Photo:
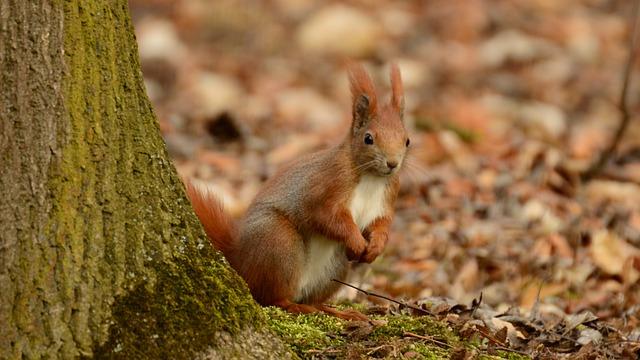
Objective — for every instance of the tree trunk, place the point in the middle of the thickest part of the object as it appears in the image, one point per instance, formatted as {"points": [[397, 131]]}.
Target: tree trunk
{"points": [[100, 252]]}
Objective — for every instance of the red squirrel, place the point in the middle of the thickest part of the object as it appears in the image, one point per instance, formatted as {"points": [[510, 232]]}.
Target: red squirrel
{"points": [[319, 212]]}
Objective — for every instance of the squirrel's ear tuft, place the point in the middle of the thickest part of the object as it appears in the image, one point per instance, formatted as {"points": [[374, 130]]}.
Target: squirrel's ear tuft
{"points": [[363, 95], [397, 93]]}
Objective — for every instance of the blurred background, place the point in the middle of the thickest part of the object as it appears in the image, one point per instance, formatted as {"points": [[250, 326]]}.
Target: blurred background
{"points": [[507, 102]]}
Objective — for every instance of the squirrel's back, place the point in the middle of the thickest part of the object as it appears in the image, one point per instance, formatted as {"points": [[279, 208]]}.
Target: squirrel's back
{"points": [[301, 183]]}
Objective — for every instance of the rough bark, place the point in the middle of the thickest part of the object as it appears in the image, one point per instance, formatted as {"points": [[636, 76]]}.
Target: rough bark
{"points": [[100, 252]]}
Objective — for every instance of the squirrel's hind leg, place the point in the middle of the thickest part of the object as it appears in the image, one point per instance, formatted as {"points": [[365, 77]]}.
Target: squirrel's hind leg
{"points": [[272, 258], [295, 308]]}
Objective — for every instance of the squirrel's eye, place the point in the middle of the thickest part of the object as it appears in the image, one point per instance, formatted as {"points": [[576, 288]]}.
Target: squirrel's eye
{"points": [[408, 142], [368, 139]]}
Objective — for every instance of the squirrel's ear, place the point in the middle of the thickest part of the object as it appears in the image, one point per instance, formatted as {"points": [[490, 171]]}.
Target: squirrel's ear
{"points": [[397, 93], [361, 113], [363, 95]]}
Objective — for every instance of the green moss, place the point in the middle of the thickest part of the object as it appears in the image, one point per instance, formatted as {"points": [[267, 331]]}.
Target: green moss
{"points": [[167, 320], [320, 336], [344, 305], [305, 332], [398, 325]]}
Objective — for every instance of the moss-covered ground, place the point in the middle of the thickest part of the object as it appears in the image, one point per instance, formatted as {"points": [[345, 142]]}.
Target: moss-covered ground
{"points": [[319, 336]]}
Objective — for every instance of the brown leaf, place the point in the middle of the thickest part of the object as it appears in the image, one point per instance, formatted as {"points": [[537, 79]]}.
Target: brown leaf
{"points": [[573, 321], [610, 252], [542, 249], [501, 335], [529, 295], [358, 330], [560, 246], [468, 275], [461, 353]]}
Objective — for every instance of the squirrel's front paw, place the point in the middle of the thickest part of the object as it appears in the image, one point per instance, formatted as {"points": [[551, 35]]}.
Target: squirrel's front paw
{"points": [[377, 242], [356, 248]]}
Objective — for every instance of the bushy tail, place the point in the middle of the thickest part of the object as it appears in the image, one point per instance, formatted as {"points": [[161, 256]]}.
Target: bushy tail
{"points": [[218, 225]]}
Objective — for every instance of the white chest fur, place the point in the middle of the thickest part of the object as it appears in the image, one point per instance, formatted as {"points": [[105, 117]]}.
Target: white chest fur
{"points": [[368, 200], [324, 257]]}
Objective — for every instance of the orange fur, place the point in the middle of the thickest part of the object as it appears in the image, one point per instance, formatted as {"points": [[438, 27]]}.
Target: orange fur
{"points": [[397, 94], [361, 84], [218, 225], [307, 206]]}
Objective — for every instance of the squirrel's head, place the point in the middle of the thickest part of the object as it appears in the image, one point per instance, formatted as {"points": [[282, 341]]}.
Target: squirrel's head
{"points": [[379, 140]]}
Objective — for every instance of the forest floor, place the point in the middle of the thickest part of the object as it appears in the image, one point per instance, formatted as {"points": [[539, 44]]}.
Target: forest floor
{"points": [[508, 102]]}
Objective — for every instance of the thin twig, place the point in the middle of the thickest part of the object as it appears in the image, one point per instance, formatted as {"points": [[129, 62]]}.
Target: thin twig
{"points": [[428, 338], [597, 167], [536, 305], [368, 293]]}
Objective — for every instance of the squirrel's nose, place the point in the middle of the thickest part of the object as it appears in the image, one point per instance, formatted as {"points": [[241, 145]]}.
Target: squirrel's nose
{"points": [[392, 164]]}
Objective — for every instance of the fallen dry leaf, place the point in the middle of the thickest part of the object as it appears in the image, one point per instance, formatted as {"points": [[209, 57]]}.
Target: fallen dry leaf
{"points": [[560, 245], [530, 293], [609, 252]]}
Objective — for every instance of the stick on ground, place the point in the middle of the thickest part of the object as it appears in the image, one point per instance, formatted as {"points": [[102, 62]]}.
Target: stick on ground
{"points": [[368, 293]]}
